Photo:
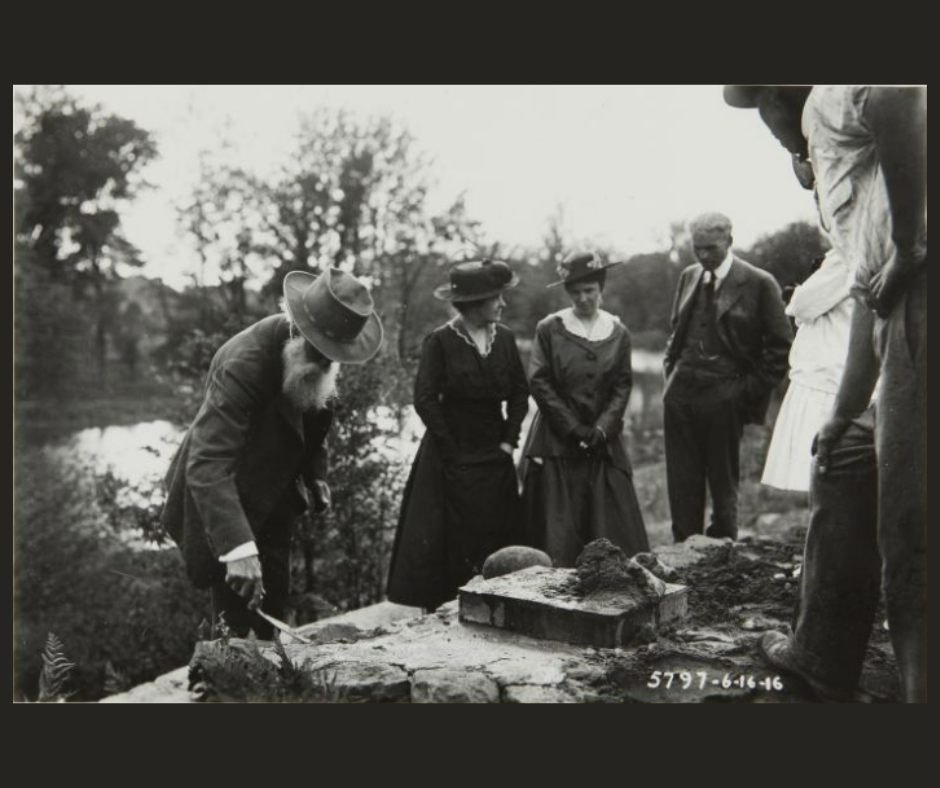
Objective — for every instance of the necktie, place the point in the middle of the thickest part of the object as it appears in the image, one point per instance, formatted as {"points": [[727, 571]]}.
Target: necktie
{"points": [[709, 343], [709, 289]]}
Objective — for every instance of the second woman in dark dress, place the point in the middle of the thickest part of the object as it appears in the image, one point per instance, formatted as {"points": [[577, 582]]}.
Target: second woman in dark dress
{"points": [[578, 480], [461, 501]]}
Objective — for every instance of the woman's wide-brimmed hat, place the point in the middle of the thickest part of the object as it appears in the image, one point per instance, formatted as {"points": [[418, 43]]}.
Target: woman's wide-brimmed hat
{"points": [[577, 266], [335, 313], [476, 280]]}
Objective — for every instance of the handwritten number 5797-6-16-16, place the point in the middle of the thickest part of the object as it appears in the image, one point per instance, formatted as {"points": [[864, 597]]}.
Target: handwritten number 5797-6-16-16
{"points": [[686, 679]]}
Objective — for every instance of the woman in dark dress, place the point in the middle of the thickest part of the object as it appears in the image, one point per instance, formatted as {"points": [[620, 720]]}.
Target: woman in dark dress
{"points": [[461, 501], [578, 481]]}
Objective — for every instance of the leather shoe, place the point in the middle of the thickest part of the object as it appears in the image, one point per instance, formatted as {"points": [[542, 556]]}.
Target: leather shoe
{"points": [[775, 649]]}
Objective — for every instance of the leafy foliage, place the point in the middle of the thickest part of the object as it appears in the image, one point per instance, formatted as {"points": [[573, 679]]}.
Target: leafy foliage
{"points": [[789, 252], [75, 576], [75, 168], [137, 513], [75, 165], [228, 670], [114, 680], [55, 671], [352, 195], [345, 553]]}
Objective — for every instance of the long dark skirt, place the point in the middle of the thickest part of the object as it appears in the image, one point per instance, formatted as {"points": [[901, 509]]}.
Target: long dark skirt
{"points": [[570, 501], [452, 517]]}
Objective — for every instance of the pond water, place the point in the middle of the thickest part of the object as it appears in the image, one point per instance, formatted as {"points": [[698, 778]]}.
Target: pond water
{"points": [[140, 453]]}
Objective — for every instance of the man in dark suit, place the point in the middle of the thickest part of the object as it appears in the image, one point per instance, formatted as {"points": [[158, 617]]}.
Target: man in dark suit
{"points": [[728, 349], [241, 474]]}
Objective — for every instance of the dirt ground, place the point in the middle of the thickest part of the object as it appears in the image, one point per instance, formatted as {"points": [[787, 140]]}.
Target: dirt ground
{"points": [[713, 655]]}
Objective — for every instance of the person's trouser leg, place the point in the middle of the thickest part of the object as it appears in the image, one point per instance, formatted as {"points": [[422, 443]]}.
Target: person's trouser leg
{"points": [[685, 467], [901, 430], [724, 425], [839, 586]]}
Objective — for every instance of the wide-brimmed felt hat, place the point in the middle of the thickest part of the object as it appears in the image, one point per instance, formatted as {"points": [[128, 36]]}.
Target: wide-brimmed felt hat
{"points": [[335, 313], [580, 265], [742, 96], [476, 280]]}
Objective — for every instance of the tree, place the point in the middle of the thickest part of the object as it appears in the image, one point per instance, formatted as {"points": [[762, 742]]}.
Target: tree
{"points": [[788, 253], [533, 299], [353, 195], [75, 167]]}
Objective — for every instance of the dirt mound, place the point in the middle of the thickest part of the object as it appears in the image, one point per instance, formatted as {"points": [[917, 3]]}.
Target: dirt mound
{"points": [[712, 656]]}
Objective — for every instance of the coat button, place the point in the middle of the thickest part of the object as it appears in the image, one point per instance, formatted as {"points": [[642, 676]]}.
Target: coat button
{"points": [[591, 356], [590, 375]]}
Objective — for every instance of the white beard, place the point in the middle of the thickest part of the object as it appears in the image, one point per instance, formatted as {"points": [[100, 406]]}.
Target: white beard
{"points": [[307, 385]]}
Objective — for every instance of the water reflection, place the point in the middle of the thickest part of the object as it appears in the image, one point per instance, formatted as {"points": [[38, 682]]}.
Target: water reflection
{"points": [[138, 454]]}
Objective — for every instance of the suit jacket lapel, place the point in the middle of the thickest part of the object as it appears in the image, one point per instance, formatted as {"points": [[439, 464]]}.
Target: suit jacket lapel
{"points": [[730, 289], [685, 305]]}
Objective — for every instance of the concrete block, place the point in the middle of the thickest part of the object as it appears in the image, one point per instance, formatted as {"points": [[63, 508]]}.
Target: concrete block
{"points": [[542, 602]]}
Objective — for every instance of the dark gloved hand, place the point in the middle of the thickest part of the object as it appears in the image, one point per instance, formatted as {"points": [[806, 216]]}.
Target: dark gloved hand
{"points": [[598, 439], [581, 434], [584, 437]]}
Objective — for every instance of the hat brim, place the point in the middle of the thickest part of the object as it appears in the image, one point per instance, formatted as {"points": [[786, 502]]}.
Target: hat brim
{"points": [[586, 275], [357, 351], [446, 293], [742, 96]]}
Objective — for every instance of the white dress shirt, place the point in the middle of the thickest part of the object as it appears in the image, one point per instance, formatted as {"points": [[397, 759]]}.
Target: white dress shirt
{"points": [[720, 272]]}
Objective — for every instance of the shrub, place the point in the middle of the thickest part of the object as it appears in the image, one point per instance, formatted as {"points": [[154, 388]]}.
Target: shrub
{"points": [[346, 552], [106, 601]]}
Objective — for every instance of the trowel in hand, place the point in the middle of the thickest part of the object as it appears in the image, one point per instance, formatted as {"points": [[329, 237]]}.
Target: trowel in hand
{"points": [[283, 627]]}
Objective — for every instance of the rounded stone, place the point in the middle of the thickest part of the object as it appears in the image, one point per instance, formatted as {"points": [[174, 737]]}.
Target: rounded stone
{"points": [[512, 559]]}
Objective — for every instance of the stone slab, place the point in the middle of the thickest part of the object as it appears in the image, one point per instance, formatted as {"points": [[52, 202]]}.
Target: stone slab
{"points": [[171, 687], [534, 693], [693, 550], [443, 685], [541, 602]]}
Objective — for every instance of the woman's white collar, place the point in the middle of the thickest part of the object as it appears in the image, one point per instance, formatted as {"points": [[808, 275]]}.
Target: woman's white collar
{"points": [[602, 328]]}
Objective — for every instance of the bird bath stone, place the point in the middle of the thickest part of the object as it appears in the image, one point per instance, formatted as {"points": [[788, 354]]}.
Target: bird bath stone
{"points": [[552, 603]]}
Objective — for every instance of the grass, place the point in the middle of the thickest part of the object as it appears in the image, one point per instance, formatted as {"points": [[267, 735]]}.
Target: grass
{"points": [[754, 498]]}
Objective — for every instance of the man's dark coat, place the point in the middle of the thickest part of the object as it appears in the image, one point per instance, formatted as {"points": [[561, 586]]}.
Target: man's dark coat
{"points": [[247, 448], [751, 325]]}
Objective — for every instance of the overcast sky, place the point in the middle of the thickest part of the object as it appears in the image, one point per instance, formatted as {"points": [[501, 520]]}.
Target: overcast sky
{"points": [[622, 161]]}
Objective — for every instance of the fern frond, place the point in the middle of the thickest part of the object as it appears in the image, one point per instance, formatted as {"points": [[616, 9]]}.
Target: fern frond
{"points": [[114, 680], [55, 671], [286, 669]]}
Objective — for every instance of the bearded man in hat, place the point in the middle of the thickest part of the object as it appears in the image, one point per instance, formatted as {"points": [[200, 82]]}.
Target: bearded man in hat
{"points": [[728, 349], [255, 454]]}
